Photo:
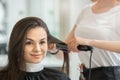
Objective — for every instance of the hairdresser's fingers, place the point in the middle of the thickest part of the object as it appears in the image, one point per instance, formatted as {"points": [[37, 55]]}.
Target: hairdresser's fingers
{"points": [[69, 39], [52, 47], [73, 45]]}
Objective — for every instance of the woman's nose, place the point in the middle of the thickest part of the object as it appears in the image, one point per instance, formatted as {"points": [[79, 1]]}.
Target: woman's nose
{"points": [[37, 48]]}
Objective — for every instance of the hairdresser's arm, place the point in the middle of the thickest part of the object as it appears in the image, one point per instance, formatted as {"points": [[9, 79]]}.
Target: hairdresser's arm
{"points": [[102, 44], [71, 41]]}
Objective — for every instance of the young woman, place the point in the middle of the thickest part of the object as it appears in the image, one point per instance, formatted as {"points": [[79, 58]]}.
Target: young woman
{"points": [[27, 48]]}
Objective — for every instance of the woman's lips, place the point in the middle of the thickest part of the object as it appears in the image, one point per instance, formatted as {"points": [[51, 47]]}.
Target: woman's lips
{"points": [[36, 55]]}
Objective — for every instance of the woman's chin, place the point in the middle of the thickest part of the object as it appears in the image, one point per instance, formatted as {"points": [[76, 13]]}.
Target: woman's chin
{"points": [[35, 61]]}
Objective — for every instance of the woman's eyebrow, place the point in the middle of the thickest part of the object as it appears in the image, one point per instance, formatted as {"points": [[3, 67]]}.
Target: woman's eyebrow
{"points": [[29, 39], [32, 40], [42, 39]]}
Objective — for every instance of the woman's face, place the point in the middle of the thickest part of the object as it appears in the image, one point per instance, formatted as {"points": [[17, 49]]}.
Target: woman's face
{"points": [[35, 45]]}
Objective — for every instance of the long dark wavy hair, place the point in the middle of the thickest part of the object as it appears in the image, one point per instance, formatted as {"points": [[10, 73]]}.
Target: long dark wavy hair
{"points": [[16, 47]]}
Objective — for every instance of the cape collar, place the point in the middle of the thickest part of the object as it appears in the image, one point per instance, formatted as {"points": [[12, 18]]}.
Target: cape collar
{"points": [[32, 67]]}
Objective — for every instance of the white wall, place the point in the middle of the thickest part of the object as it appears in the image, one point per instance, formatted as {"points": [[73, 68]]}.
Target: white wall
{"points": [[16, 9], [47, 10]]}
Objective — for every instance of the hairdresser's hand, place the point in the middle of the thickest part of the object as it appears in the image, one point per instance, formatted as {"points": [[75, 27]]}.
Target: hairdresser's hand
{"points": [[72, 44], [52, 48], [72, 40]]}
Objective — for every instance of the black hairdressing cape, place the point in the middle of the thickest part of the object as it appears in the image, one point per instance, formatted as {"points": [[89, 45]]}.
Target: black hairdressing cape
{"points": [[45, 74]]}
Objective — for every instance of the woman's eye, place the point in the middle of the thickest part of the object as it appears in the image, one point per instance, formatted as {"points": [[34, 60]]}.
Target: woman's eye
{"points": [[28, 43], [42, 42]]}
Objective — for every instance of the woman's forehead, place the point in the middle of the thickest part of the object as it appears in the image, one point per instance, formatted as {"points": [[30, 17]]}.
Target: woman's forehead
{"points": [[37, 32]]}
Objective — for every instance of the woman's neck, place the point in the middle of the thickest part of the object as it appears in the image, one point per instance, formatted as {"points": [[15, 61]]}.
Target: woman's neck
{"points": [[104, 5], [107, 3]]}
